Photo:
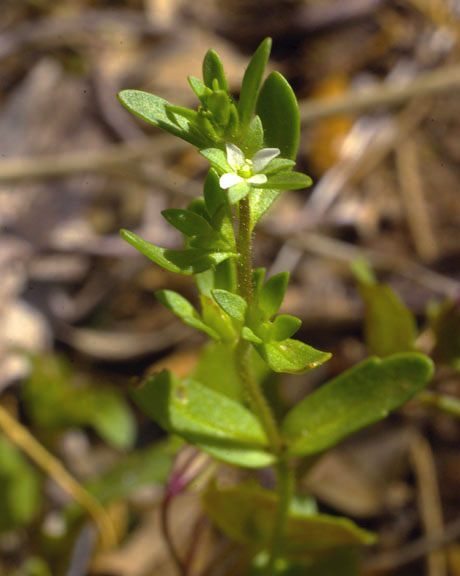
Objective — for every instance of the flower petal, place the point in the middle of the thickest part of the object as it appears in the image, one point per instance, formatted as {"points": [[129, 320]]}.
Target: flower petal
{"points": [[264, 157], [257, 179], [229, 179], [235, 156]]}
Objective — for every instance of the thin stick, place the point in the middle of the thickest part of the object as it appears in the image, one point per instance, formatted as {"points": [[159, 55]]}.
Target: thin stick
{"points": [[429, 500], [444, 79], [22, 438]]}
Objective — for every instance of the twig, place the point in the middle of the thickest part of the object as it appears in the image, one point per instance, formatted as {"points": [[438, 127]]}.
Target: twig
{"points": [[438, 81], [429, 500], [22, 438], [414, 201], [388, 561]]}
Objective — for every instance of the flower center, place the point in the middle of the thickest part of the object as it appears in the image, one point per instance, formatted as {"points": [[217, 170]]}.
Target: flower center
{"points": [[245, 171]]}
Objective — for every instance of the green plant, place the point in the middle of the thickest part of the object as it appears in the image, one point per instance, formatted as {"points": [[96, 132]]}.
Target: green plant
{"points": [[223, 408]]}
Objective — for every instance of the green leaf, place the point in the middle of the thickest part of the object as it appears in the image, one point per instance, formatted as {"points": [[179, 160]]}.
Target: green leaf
{"points": [[389, 326], [200, 89], [232, 304], [445, 327], [287, 181], [214, 196], [182, 308], [19, 488], [278, 165], [285, 326], [355, 399], [153, 109], [246, 513], [217, 159], [251, 83], [248, 334], [254, 139], [291, 356], [217, 319], [238, 192], [443, 402], [214, 70], [187, 262], [110, 416], [187, 222], [209, 420], [278, 109], [212, 357], [173, 111], [272, 294], [258, 277], [261, 201]]}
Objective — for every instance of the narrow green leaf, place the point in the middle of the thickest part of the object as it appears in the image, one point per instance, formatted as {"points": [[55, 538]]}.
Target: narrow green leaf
{"points": [[291, 356], [238, 192], [187, 262], [355, 399], [152, 109], [217, 159], [232, 304], [217, 319], [182, 308], [212, 357], [278, 109], [443, 402], [254, 139], [272, 294], [246, 513], [445, 327], [200, 89], [214, 196], [278, 165], [188, 222], [261, 201], [285, 326], [173, 111], [251, 83], [209, 420], [248, 334], [214, 70], [287, 181], [109, 414]]}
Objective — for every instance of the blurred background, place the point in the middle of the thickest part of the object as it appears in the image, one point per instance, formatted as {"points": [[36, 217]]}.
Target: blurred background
{"points": [[378, 83]]}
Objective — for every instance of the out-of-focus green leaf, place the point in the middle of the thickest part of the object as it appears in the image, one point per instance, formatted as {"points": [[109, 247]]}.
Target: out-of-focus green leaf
{"points": [[251, 83], [246, 513], [55, 398], [291, 356], [389, 326], [355, 399], [153, 109], [445, 327], [444, 402], [209, 420], [214, 70], [19, 488], [188, 262], [232, 304], [278, 109], [214, 196]]}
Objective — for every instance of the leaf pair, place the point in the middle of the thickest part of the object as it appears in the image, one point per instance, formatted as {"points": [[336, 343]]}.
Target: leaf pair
{"points": [[246, 513]]}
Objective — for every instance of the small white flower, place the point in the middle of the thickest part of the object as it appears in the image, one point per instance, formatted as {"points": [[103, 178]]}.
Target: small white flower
{"points": [[245, 170]]}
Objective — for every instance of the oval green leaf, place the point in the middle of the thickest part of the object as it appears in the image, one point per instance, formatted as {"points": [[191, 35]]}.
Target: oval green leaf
{"points": [[355, 399]]}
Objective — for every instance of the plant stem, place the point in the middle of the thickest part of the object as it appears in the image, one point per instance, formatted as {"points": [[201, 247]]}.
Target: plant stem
{"points": [[244, 246], [285, 489], [256, 399]]}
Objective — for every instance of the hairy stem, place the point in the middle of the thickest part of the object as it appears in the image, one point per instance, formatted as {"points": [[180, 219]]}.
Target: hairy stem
{"points": [[244, 245], [285, 489]]}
